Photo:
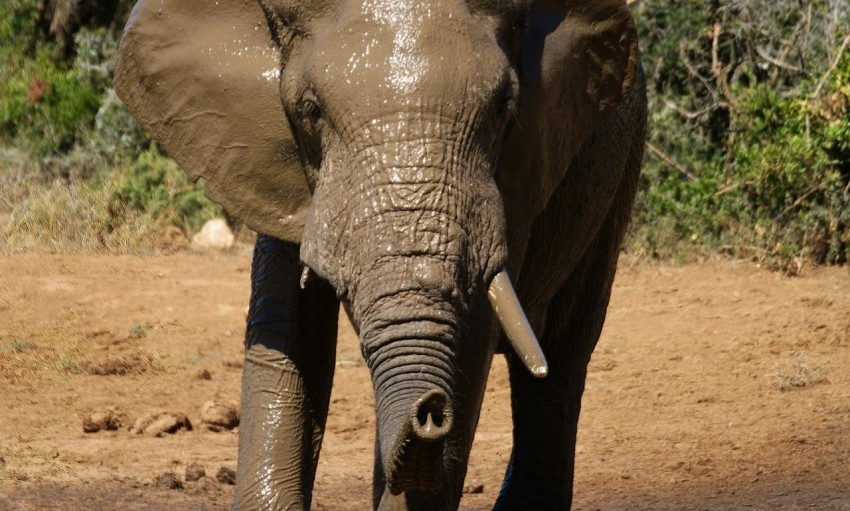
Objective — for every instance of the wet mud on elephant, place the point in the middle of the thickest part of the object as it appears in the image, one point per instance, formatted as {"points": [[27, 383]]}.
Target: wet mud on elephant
{"points": [[408, 159]]}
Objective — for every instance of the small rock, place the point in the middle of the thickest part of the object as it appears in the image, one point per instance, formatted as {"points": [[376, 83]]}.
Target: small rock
{"points": [[203, 374], [194, 472], [226, 475], [217, 416], [159, 423], [172, 238], [168, 481], [215, 234], [233, 363], [207, 483], [101, 421], [473, 486]]}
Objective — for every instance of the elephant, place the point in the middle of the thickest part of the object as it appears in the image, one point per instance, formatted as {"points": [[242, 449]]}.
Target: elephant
{"points": [[457, 174]]}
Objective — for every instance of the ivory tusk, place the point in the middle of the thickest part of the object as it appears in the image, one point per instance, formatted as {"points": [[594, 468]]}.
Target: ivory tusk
{"points": [[515, 324], [306, 275]]}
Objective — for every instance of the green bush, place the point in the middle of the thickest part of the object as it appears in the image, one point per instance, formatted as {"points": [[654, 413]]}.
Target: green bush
{"points": [[156, 188], [793, 163], [116, 132], [53, 109], [749, 131], [44, 106], [20, 34]]}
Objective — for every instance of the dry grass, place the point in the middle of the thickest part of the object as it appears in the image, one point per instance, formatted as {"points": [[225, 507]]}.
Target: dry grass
{"points": [[53, 217], [70, 216], [798, 373]]}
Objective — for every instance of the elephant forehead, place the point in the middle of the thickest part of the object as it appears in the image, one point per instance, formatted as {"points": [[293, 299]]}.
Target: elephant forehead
{"points": [[403, 50], [407, 61], [406, 160]]}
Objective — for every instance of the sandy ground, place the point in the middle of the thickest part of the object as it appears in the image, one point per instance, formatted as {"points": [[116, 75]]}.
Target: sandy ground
{"points": [[715, 386]]}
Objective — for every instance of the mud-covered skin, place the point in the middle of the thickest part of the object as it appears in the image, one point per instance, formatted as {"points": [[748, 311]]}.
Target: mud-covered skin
{"points": [[422, 146], [406, 222], [565, 288], [290, 351], [570, 310]]}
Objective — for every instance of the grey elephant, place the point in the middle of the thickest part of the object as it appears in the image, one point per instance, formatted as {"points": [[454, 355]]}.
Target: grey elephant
{"points": [[404, 158]]}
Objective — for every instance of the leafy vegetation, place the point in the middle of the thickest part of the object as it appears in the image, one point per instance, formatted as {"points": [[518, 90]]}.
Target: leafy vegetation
{"points": [[77, 171], [154, 186], [748, 152], [44, 104], [749, 146]]}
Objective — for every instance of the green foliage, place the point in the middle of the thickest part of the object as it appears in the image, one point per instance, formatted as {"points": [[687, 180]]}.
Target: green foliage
{"points": [[116, 132], [19, 34], [64, 114], [145, 205], [155, 186], [76, 171], [657, 21], [793, 165], [749, 131], [44, 106], [95, 59]]}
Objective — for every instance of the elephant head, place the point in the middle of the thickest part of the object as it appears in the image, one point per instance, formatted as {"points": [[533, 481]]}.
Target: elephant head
{"points": [[403, 144]]}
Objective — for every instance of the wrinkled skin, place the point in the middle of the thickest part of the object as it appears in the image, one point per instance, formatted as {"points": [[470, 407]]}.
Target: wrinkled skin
{"points": [[407, 225], [441, 140]]}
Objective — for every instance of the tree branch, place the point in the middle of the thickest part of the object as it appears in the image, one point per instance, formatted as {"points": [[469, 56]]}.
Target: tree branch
{"points": [[794, 205], [717, 68], [776, 62], [832, 67], [670, 161], [687, 114]]}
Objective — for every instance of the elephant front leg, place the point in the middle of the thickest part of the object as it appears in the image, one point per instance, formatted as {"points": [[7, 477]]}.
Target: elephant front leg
{"points": [[286, 382]]}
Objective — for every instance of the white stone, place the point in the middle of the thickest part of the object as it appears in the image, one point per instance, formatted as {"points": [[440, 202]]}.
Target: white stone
{"points": [[215, 234]]}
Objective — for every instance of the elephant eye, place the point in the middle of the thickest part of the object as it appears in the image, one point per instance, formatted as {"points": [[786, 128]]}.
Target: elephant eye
{"points": [[311, 111], [508, 103], [312, 116], [505, 111], [310, 132], [507, 99]]}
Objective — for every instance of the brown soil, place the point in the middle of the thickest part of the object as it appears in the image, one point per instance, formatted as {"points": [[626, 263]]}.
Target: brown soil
{"points": [[715, 386]]}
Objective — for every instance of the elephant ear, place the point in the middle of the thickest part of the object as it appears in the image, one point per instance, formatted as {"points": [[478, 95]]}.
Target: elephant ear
{"points": [[202, 76], [579, 63]]}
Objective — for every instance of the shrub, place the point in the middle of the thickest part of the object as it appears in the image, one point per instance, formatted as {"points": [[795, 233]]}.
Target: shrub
{"points": [[126, 208], [20, 34], [749, 131], [44, 106], [154, 187], [77, 171], [50, 108]]}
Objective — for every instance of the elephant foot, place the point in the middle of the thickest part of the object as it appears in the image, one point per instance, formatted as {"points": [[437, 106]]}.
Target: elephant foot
{"points": [[416, 501]]}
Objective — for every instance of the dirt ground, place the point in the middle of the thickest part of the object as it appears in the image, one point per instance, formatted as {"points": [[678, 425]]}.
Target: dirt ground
{"points": [[715, 386]]}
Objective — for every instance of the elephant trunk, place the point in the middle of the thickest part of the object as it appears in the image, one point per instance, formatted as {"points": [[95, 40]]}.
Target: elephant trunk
{"points": [[416, 456], [423, 236], [408, 335]]}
